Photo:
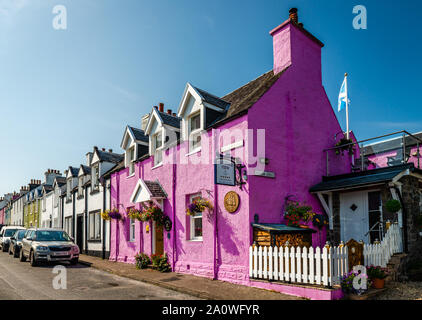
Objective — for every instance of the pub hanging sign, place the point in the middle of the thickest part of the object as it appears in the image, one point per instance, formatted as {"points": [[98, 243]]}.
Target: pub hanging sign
{"points": [[224, 171]]}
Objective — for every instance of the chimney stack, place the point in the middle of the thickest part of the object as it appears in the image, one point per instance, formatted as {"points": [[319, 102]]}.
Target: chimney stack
{"points": [[169, 111], [293, 15], [161, 108]]}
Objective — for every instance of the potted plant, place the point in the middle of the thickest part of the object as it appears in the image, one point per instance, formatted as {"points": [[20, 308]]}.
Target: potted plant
{"points": [[155, 258], [393, 205], [347, 286], [152, 212], [142, 261], [344, 145], [296, 215], [197, 206], [377, 275]]}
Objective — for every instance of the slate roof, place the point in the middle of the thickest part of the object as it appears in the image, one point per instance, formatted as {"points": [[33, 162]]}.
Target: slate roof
{"points": [[86, 169], [139, 134], [155, 189], [212, 99], [246, 96], [361, 179], [74, 171], [170, 120], [118, 167], [110, 156], [60, 181]]}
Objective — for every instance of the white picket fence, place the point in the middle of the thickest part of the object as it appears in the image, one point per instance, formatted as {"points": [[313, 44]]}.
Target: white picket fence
{"points": [[380, 254], [299, 265]]}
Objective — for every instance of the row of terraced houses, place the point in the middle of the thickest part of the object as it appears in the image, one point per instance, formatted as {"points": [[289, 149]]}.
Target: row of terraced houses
{"points": [[249, 153]]}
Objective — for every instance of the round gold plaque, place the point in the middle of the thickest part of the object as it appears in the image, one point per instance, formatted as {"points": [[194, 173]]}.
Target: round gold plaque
{"points": [[231, 201]]}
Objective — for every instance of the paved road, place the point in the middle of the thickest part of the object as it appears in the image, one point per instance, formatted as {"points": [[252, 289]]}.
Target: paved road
{"points": [[20, 281]]}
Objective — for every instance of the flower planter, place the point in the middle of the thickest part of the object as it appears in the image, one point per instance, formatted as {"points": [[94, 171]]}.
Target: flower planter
{"points": [[378, 283], [303, 226]]}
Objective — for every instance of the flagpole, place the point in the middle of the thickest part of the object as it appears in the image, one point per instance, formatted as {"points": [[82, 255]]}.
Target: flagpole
{"points": [[347, 110]]}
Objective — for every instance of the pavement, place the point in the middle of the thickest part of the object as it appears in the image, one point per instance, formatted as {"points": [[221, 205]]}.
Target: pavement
{"points": [[199, 287], [20, 281]]}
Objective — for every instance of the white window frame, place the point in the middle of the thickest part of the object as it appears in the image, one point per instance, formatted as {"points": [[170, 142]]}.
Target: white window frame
{"points": [[132, 230], [80, 188], [158, 151], [131, 160], [92, 236], [68, 224], [193, 218], [194, 133], [69, 191], [96, 177]]}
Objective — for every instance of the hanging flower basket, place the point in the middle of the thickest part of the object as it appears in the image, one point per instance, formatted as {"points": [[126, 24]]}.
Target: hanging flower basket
{"points": [[198, 206], [134, 214], [152, 213], [105, 215], [344, 145], [115, 214]]}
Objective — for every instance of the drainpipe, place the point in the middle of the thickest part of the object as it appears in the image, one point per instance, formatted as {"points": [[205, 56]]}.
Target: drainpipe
{"points": [[73, 215], [174, 218], [103, 221], [404, 219], [117, 205], [86, 219], [215, 257]]}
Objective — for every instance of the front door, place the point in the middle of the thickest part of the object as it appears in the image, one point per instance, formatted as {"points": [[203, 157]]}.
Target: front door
{"points": [[354, 216], [159, 241], [79, 232]]}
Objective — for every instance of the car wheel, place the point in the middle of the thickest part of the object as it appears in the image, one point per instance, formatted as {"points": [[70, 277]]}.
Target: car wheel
{"points": [[15, 253], [32, 259], [22, 257], [3, 248], [74, 261]]}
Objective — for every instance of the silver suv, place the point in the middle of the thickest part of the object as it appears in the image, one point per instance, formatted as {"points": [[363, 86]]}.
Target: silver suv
{"points": [[48, 245], [5, 234]]}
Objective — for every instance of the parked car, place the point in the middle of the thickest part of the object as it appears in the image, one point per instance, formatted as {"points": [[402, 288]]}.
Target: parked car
{"points": [[48, 245], [5, 234], [16, 242]]}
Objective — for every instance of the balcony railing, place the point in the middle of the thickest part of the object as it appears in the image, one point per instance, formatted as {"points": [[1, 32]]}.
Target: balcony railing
{"points": [[379, 152]]}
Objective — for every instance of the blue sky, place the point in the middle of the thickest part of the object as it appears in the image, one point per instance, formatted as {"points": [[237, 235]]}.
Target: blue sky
{"points": [[64, 91]]}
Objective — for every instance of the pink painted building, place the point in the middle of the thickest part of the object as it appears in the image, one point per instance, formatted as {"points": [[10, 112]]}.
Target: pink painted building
{"points": [[276, 127]]}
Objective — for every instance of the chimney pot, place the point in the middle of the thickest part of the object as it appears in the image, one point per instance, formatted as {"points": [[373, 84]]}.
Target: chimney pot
{"points": [[169, 111], [103, 149], [110, 150], [293, 15], [161, 107]]}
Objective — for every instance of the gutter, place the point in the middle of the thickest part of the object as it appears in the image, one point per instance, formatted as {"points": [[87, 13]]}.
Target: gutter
{"points": [[86, 219], [215, 257]]}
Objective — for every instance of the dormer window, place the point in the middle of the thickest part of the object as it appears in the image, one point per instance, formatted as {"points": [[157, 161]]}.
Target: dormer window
{"points": [[96, 178], [131, 160], [194, 132], [80, 189], [69, 191], [157, 140]]}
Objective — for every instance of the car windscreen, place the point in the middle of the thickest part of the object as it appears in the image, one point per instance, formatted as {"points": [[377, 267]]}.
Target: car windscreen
{"points": [[9, 232], [19, 235], [51, 235]]}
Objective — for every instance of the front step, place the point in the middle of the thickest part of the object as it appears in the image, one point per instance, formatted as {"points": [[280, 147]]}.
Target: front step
{"points": [[396, 268]]}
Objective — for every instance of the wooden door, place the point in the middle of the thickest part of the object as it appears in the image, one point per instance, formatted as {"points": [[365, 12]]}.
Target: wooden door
{"points": [[159, 239]]}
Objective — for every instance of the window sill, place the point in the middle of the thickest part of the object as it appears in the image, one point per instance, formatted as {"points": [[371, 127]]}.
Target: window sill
{"points": [[193, 152], [157, 166], [94, 240], [196, 240], [94, 192]]}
